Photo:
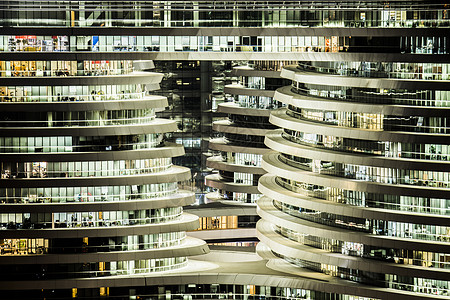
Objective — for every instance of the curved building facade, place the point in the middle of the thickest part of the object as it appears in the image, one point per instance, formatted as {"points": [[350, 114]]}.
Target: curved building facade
{"points": [[242, 145], [87, 187], [358, 183], [90, 200]]}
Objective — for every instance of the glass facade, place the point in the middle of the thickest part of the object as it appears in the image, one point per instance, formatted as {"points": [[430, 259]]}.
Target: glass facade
{"points": [[247, 106], [196, 291], [42, 192], [187, 85], [86, 165], [357, 188], [396, 14]]}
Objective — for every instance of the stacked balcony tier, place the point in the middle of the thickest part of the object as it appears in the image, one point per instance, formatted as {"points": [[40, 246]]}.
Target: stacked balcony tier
{"points": [[358, 184], [239, 151], [87, 186]]}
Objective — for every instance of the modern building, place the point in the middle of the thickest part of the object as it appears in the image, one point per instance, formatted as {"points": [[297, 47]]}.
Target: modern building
{"points": [[239, 149], [357, 188], [355, 204], [187, 85], [87, 189]]}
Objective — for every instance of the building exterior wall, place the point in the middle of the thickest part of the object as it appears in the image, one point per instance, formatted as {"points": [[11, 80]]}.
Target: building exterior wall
{"points": [[356, 190]]}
